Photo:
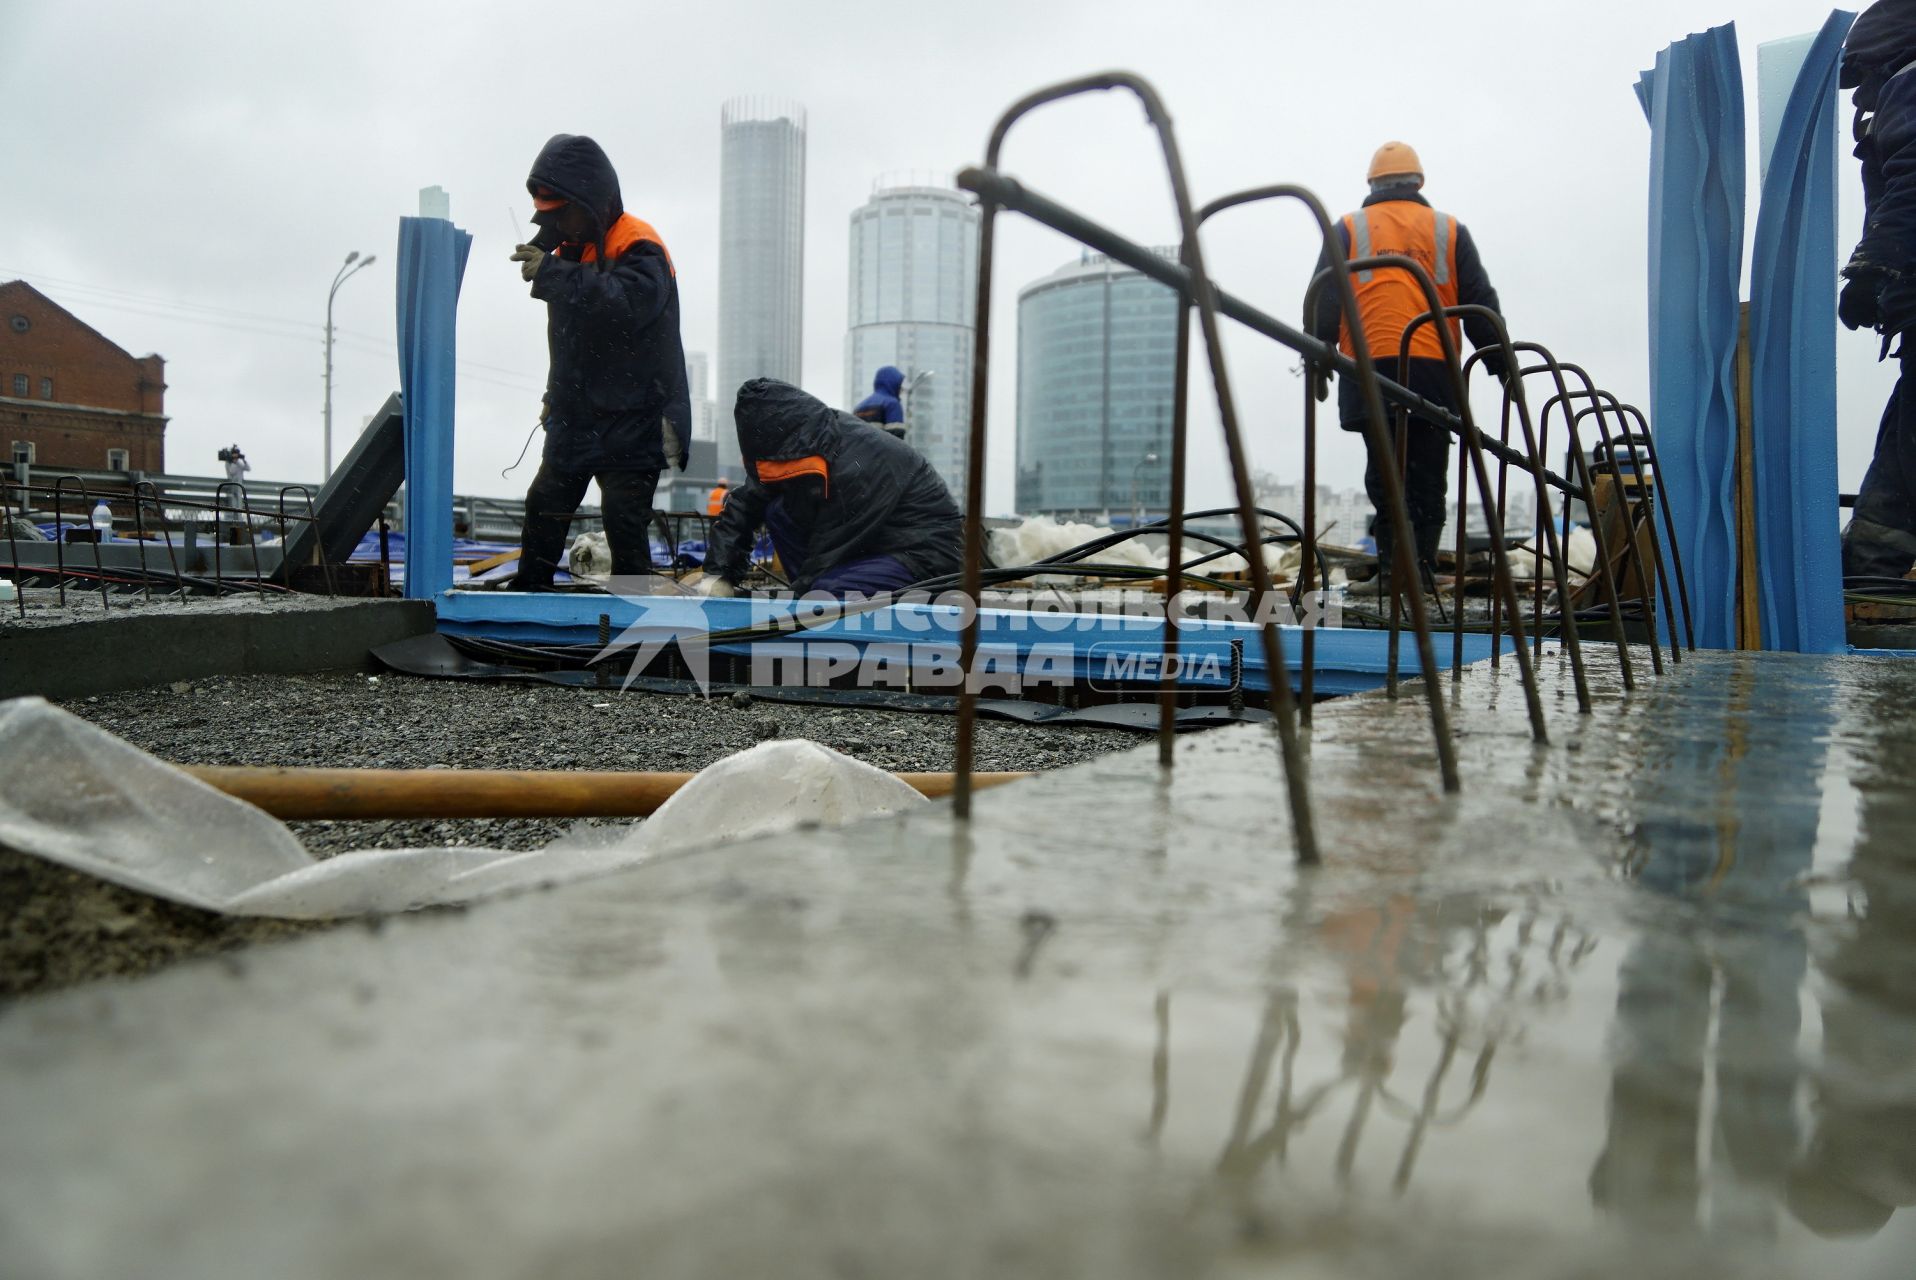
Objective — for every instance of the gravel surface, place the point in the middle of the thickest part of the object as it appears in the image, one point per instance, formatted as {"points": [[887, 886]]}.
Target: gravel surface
{"points": [[406, 722], [58, 927]]}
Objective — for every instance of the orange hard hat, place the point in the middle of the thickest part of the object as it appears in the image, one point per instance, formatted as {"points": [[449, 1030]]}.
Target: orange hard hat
{"points": [[1394, 159]]}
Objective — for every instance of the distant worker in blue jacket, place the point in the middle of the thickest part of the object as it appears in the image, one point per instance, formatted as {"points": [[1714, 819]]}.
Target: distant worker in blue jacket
{"points": [[883, 408], [1879, 63]]}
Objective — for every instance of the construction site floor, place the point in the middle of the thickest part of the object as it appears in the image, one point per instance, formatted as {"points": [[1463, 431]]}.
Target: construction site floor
{"points": [[1639, 1002]]}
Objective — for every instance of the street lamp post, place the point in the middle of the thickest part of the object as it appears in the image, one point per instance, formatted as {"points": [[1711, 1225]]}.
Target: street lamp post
{"points": [[905, 400], [347, 270], [1137, 506]]}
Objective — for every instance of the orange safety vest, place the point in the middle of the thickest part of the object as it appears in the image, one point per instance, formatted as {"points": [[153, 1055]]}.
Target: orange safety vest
{"points": [[1390, 298], [715, 504]]}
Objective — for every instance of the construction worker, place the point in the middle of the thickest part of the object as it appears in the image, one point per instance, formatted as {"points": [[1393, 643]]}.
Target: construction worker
{"points": [[1396, 219], [882, 408], [1880, 281], [850, 511], [617, 408], [715, 501]]}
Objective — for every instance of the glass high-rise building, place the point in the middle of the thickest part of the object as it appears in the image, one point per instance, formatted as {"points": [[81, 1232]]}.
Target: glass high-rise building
{"points": [[698, 377], [914, 272], [761, 252], [1097, 364]]}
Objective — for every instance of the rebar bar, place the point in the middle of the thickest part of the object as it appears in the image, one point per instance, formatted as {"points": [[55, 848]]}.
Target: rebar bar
{"points": [[1204, 298]]}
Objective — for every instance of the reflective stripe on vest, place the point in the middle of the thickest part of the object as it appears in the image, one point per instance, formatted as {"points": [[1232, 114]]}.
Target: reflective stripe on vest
{"points": [[1390, 299]]}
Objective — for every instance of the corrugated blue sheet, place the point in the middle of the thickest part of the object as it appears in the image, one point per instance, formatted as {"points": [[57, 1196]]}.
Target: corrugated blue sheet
{"points": [[1694, 100], [1793, 361], [432, 262]]}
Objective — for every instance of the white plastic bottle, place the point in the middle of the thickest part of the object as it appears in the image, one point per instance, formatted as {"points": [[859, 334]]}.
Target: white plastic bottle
{"points": [[103, 519]]}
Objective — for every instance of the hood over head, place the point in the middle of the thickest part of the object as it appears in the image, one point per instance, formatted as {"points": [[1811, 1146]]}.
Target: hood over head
{"points": [[576, 167], [1880, 42], [779, 423], [889, 380]]}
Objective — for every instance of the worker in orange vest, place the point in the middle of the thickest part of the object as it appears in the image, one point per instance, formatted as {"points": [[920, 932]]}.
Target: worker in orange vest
{"points": [[715, 504], [1396, 219]]}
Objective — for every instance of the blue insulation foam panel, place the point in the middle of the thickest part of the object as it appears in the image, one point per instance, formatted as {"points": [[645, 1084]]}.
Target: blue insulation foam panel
{"points": [[432, 262], [1793, 365], [1694, 100]]}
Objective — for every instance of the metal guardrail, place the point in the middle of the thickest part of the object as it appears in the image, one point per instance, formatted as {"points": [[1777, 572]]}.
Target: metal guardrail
{"points": [[484, 519]]}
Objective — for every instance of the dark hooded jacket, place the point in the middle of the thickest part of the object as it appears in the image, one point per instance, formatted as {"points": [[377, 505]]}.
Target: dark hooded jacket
{"points": [[854, 491], [617, 368], [1879, 63], [883, 406]]}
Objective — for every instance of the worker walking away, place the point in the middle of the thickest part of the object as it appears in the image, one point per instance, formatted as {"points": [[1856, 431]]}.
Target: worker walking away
{"points": [[883, 408], [1879, 291], [850, 511], [715, 501], [1396, 219], [617, 406]]}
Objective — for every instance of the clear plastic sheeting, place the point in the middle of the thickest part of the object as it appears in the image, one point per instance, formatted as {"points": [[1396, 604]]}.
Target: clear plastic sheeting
{"points": [[81, 797]]}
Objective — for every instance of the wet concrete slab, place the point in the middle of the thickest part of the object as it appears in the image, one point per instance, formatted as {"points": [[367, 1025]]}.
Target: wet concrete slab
{"points": [[1636, 1002]]}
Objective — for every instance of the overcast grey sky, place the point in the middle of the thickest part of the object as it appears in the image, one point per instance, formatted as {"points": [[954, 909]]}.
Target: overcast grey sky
{"points": [[188, 177]]}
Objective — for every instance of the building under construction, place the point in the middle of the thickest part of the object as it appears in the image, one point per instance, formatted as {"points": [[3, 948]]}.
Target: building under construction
{"points": [[1168, 899]]}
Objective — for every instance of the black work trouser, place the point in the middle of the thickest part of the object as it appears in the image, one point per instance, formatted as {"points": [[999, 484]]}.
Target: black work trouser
{"points": [[1881, 538], [553, 499], [1426, 493]]}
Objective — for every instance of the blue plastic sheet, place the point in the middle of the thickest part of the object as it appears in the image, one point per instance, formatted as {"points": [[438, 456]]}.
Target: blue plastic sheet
{"points": [[925, 638], [1793, 360], [432, 262], [1694, 100]]}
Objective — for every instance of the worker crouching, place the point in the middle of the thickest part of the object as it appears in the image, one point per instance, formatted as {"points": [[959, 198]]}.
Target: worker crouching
{"points": [[851, 511]]}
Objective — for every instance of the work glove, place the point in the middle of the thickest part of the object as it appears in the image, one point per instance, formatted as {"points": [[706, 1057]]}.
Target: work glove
{"points": [[1493, 361], [529, 260], [1856, 305], [1320, 376], [718, 588]]}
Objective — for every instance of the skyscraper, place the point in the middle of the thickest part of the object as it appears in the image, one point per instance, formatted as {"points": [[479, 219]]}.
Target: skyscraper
{"points": [[914, 266], [761, 251], [1097, 364], [698, 377]]}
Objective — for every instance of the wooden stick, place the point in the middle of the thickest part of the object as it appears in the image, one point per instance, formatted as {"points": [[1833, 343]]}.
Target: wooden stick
{"points": [[364, 794]]}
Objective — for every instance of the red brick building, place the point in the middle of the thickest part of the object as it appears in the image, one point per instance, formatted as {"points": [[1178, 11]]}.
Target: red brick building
{"points": [[71, 398]]}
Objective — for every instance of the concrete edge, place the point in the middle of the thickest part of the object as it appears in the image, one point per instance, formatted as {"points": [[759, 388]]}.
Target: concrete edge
{"points": [[102, 655]]}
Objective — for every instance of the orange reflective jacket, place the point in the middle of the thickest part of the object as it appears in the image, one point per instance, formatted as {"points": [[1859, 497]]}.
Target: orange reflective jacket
{"points": [[773, 470], [625, 233], [1390, 298], [715, 503]]}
